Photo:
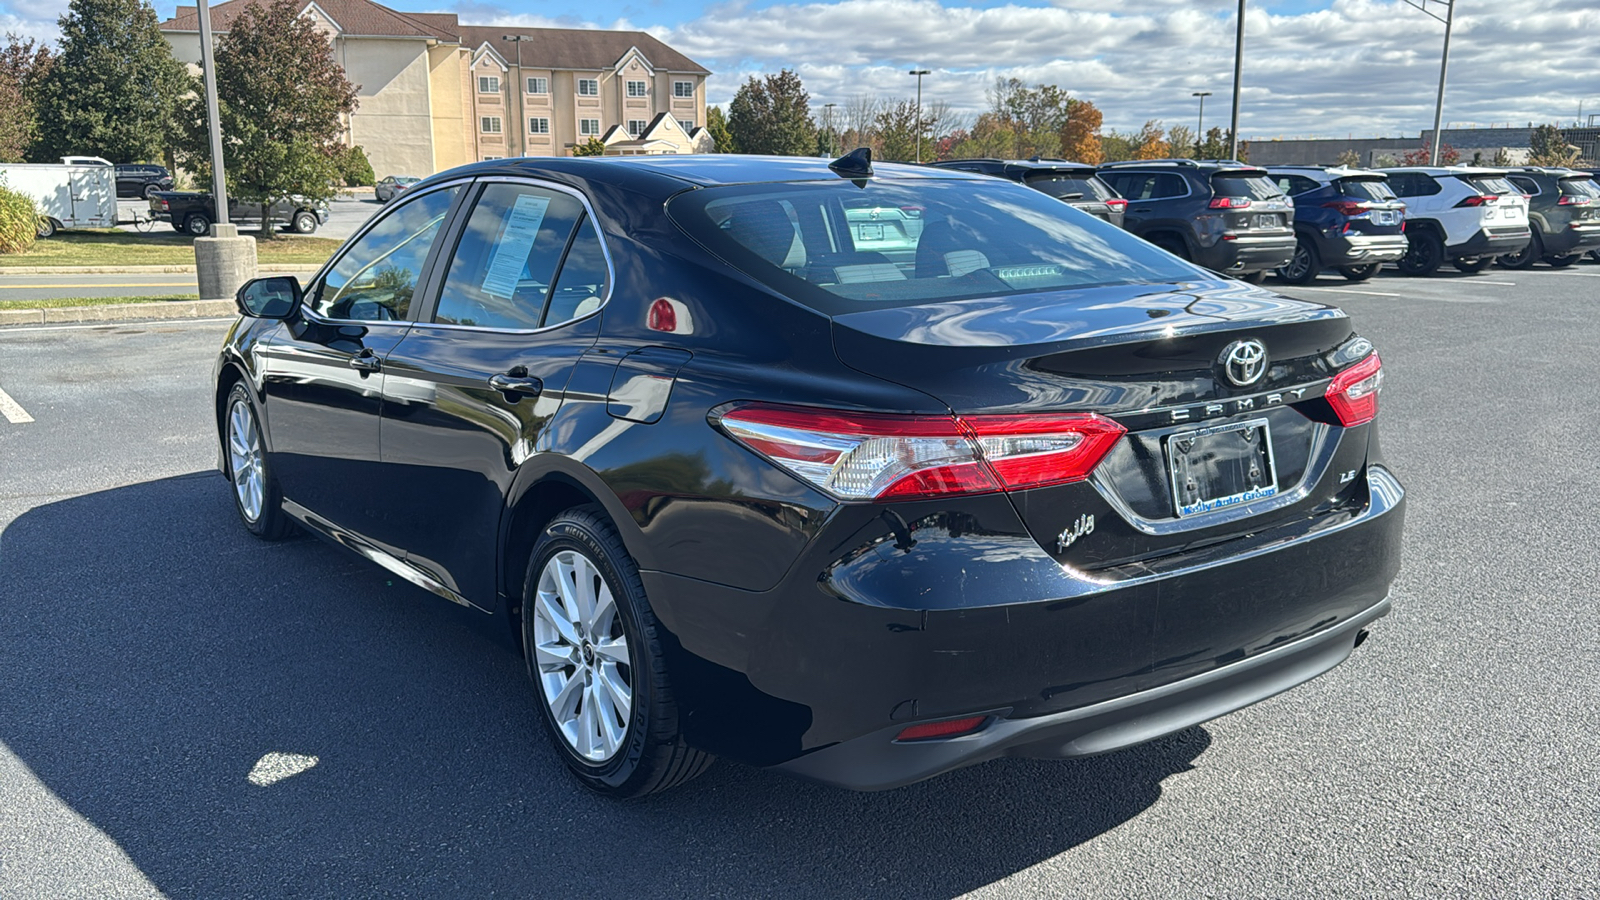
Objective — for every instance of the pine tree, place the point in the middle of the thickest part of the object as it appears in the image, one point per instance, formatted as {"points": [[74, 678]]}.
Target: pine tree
{"points": [[115, 87], [281, 101], [717, 125], [773, 115]]}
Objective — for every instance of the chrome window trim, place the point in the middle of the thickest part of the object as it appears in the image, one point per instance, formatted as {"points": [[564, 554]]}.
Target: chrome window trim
{"points": [[411, 196], [605, 250]]}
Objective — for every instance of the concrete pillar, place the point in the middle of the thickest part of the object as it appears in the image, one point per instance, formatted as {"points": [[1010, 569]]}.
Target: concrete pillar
{"points": [[223, 262]]}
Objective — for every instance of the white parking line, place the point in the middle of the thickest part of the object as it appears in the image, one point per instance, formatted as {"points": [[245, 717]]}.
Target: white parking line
{"points": [[1499, 283], [1579, 274], [13, 410], [1344, 290]]}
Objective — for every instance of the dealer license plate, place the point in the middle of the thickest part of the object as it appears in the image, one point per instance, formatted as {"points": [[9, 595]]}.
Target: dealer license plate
{"points": [[1221, 466], [1386, 217]]}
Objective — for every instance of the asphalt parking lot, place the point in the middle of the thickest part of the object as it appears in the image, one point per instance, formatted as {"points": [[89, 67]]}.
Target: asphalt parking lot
{"points": [[153, 657]]}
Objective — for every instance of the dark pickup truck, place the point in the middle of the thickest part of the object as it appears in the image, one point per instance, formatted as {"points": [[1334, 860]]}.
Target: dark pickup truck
{"points": [[194, 212]]}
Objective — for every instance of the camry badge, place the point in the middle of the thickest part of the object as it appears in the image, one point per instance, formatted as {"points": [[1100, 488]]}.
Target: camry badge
{"points": [[1244, 362]]}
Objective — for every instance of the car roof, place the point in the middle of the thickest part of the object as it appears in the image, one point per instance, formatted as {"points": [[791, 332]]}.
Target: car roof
{"points": [[1047, 164], [1448, 170], [1332, 171], [699, 170], [1208, 165]]}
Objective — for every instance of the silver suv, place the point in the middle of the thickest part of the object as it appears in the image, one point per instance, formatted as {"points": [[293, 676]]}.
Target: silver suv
{"points": [[1463, 215]]}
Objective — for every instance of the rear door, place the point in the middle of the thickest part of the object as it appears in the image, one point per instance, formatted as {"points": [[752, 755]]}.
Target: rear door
{"points": [[1257, 206], [472, 387], [1507, 209]]}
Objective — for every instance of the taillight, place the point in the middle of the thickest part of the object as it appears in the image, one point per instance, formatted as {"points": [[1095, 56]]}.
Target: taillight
{"points": [[1119, 204], [876, 456], [1229, 203], [1479, 200], [1350, 208], [1353, 393]]}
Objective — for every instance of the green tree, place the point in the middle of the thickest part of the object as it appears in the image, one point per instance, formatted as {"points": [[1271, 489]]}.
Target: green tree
{"points": [[773, 115], [1501, 159], [1215, 145], [282, 100], [717, 125], [355, 169], [1035, 116], [897, 127], [1349, 159], [115, 88], [1181, 140], [23, 66], [1548, 148], [592, 147]]}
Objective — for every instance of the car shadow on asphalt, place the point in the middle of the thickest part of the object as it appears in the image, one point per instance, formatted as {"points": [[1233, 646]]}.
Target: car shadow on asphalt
{"points": [[154, 654]]}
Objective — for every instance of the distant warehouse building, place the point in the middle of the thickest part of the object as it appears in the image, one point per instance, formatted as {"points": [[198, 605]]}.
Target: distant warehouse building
{"points": [[1480, 143], [435, 94]]}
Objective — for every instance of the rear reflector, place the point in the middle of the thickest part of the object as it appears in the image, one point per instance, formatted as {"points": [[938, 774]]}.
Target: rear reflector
{"points": [[877, 456], [1353, 393], [946, 729]]}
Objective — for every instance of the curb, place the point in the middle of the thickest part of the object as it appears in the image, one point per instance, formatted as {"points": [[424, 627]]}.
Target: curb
{"points": [[286, 269], [118, 312]]}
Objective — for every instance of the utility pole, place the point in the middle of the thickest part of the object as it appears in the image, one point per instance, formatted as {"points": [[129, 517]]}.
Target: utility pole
{"points": [[1444, 66], [223, 261], [219, 183], [517, 88], [1200, 126], [919, 73], [1238, 71]]}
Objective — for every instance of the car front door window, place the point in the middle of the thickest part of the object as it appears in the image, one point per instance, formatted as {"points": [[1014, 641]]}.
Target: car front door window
{"points": [[376, 277]]}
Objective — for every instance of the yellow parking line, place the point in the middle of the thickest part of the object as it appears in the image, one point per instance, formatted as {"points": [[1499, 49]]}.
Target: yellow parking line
{"points": [[34, 287]]}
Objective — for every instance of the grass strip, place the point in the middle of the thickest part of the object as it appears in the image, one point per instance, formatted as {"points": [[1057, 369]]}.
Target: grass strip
{"points": [[122, 248], [59, 302]]}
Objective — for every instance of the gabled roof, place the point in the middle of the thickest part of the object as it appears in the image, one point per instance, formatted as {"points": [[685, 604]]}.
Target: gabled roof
{"points": [[579, 48], [355, 17]]}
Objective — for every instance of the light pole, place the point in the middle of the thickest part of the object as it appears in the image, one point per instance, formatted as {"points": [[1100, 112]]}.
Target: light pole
{"points": [[1238, 71], [1200, 126], [219, 184], [833, 149], [919, 73], [522, 112], [1444, 66]]}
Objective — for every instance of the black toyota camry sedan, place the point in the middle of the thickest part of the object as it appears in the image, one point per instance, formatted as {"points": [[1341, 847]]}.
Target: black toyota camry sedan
{"points": [[863, 473]]}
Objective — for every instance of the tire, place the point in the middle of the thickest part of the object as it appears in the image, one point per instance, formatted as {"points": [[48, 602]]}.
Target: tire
{"points": [[197, 224], [255, 492], [1253, 277], [1561, 262], [1172, 244], [580, 550], [304, 223], [1303, 267], [46, 227], [1360, 273], [1424, 256], [1524, 258], [1474, 266], [150, 191]]}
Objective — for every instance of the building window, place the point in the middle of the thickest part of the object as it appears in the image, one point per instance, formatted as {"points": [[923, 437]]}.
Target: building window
{"points": [[487, 158], [538, 85], [638, 89], [489, 124], [488, 84], [684, 90], [588, 87], [589, 127], [540, 125], [686, 124], [636, 127]]}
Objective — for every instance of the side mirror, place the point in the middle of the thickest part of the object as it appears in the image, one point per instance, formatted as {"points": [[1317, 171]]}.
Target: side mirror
{"points": [[269, 298]]}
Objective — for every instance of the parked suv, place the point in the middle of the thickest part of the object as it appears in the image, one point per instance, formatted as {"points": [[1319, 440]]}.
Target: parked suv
{"points": [[194, 212], [1222, 214], [136, 180], [1563, 213], [1075, 183], [1346, 219], [1462, 215]]}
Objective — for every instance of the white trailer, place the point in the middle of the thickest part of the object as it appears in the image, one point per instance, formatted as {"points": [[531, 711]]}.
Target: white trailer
{"points": [[68, 196]]}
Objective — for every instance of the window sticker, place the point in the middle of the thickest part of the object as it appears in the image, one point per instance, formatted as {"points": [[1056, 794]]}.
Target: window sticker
{"points": [[515, 243]]}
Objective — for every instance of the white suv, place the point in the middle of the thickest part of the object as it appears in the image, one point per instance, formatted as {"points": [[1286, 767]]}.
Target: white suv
{"points": [[1463, 215]]}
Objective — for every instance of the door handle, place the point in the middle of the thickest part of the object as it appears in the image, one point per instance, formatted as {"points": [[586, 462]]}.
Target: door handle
{"points": [[517, 382], [365, 362]]}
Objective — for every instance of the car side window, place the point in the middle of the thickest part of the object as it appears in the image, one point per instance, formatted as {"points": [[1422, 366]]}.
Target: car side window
{"points": [[1297, 184], [1525, 184], [505, 263], [581, 286], [1133, 186], [1168, 185], [375, 278]]}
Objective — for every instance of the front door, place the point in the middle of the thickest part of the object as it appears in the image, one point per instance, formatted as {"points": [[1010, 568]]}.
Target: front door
{"points": [[324, 372], [470, 392]]}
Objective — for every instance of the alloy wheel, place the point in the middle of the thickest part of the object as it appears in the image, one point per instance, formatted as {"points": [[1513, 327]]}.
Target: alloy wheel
{"points": [[581, 656], [244, 459]]}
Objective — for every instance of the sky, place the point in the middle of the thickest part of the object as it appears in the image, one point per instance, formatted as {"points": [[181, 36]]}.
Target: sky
{"points": [[1313, 68]]}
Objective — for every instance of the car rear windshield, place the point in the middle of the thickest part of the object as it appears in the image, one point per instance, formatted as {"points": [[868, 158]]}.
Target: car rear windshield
{"points": [[1366, 189], [1580, 187], [1060, 184], [839, 248], [1490, 184], [1255, 187]]}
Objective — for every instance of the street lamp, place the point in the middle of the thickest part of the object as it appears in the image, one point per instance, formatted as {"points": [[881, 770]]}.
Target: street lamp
{"points": [[1200, 126], [1238, 71], [1444, 64], [833, 134], [919, 73], [519, 40]]}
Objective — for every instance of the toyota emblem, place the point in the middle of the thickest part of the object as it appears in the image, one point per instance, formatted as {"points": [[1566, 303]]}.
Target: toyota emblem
{"points": [[1244, 362]]}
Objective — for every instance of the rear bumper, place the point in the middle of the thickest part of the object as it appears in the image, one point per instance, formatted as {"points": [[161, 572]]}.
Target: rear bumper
{"points": [[1573, 239], [1492, 241], [879, 762], [1360, 249], [1249, 253]]}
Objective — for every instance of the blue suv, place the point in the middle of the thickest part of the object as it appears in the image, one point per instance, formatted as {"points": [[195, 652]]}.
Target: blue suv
{"points": [[1345, 219]]}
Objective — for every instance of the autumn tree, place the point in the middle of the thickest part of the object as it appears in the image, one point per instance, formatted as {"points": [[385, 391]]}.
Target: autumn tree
{"points": [[23, 66], [114, 89], [1423, 156], [1349, 159], [1080, 136], [717, 126], [773, 115], [282, 101], [1548, 148], [1150, 142]]}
